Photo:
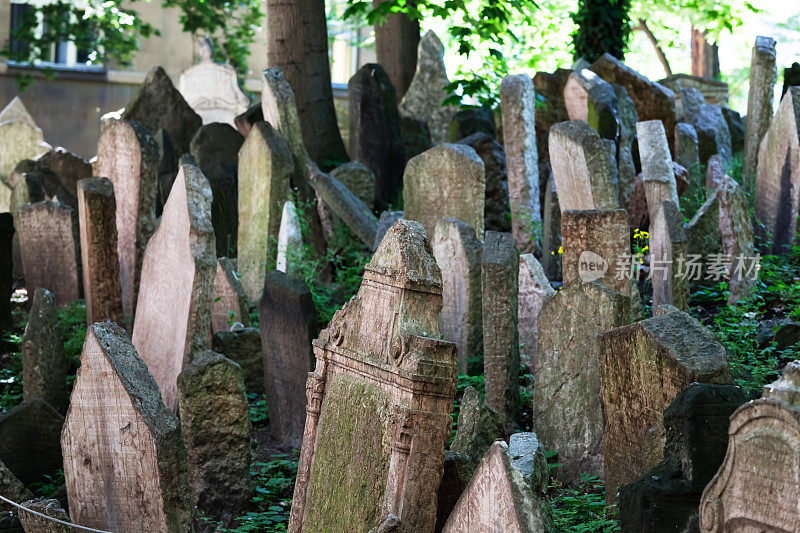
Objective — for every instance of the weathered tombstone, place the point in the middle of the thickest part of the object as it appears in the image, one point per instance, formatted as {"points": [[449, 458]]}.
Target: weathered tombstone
{"points": [[124, 460], [230, 300], [288, 324], [343, 203], [736, 231], [215, 424], [643, 367], [38, 524], [496, 214], [498, 498], [590, 98], [478, 427], [29, 440], [445, 181], [458, 253], [423, 100], [551, 233], [658, 172], [44, 367], [212, 89], [470, 121], [713, 134], [243, 347], [375, 131], [6, 268], [455, 478], [99, 256], [499, 296], [580, 168], [778, 175], [668, 245], [265, 170], [627, 135], [550, 92], [19, 140], [736, 127], [756, 486], [374, 439], [534, 291], [386, 221], [791, 78], [158, 104], [518, 99], [15, 111], [763, 75], [666, 498], [48, 250], [358, 179], [169, 332], [566, 405], [686, 153], [702, 231], [128, 155], [57, 172], [290, 240]]}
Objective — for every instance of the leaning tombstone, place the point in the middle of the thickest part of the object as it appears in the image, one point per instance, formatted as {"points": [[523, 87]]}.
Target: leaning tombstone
{"points": [[179, 259], [534, 291], [367, 389], [590, 98], [668, 245], [243, 346], [29, 436], [343, 203], [763, 75], [658, 172], [230, 300], [118, 423], [44, 366], [290, 240]]}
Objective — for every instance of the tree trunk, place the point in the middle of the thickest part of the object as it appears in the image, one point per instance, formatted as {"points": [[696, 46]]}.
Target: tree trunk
{"points": [[396, 41], [297, 42], [705, 56]]}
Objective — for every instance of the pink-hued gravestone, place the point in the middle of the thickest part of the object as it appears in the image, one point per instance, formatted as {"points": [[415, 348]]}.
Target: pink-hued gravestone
{"points": [[230, 300]]}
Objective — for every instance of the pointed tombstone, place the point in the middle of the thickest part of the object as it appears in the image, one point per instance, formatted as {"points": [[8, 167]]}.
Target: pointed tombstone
{"points": [[423, 100], [627, 135], [518, 99], [778, 176], [158, 104], [215, 424], [48, 250], [445, 181], [265, 170], [668, 245], [756, 485], [534, 292], [643, 367], [551, 233], [367, 391], [290, 240], [230, 299], [98, 229], [128, 155], [686, 152], [6, 268], [15, 111], [763, 75], [658, 173], [580, 168], [498, 498], [499, 294], [44, 367], [590, 98], [375, 131], [20, 139], [458, 253], [344, 204], [29, 436], [179, 260], [736, 230], [118, 425], [243, 346], [566, 395], [288, 324], [478, 427], [496, 214]]}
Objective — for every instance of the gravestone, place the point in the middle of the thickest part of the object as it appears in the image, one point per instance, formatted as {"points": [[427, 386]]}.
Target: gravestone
{"points": [[158, 104], [628, 118], [215, 424], [778, 175], [580, 168], [265, 170], [53, 173], [470, 121], [455, 478], [658, 173], [736, 231], [713, 134], [288, 325], [97, 217], [423, 100], [358, 179], [386, 221], [243, 346], [29, 440], [668, 245], [715, 173], [44, 366], [499, 297], [496, 214], [179, 260], [551, 233], [763, 75], [6, 268], [212, 89], [702, 231], [13, 489], [566, 405], [686, 152], [375, 137], [643, 368], [124, 460], [478, 427], [15, 111], [550, 92], [290, 240], [791, 78], [590, 98], [736, 126], [518, 99], [37, 524], [458, 253], [534, 291], [756, 486], [128, 155], [230, 300], [19, 140], [374, 439], [244, 121], [343, 203], [48, 250], [416, 136], [445, 181]]}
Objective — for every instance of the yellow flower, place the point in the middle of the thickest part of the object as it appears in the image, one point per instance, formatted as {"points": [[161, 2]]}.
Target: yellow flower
{"points": [[561, 249]]}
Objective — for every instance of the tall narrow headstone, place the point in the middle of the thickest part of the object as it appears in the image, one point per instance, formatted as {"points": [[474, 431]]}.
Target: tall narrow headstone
{"points": [[551, 233], [590, 98], [499, 297], [668, 249], [763, 75], [373, 445], [265, 170], [534, 292], [658, 173], [44, 366], [230, 300], [627, 135], [518, 99], [173, 314], [458, 253], [686, 152], [124, 460], [290, 239], [128, 155], [288, 324], [736, 230]]}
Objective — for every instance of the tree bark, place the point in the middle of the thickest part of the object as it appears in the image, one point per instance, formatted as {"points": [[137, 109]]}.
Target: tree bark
{"points": [[297, 42], [659, 52], [396, 41], [705, 56]]}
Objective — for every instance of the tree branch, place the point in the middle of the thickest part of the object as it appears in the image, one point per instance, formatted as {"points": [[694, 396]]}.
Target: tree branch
{"points": [[659, 52]]}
